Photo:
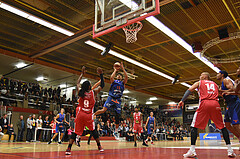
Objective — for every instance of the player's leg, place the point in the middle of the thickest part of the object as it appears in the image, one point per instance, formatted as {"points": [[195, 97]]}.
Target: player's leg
{"points": [[135, 134], [144, 138], [96, 137], [89, 139], [200, 120], [106, 106], [117, 118], [216, 117], [54, 136]]}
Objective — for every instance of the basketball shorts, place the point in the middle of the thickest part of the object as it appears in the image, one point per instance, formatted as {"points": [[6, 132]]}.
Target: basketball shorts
{"points": [[150, 130], [137, 128], [231, 115], [83, 119], [60, 128], [208, 109], [112, 103]]}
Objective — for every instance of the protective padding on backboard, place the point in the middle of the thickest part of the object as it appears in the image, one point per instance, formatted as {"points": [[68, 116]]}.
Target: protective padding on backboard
{"points": [[136, 11]]}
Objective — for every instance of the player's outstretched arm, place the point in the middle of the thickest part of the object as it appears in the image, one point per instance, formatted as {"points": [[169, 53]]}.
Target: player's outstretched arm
{"points": [[96, 85], [187, 93], [80, 78], [113, 75], [125, 74], [146, 124], [57, 118], [102, 84]]}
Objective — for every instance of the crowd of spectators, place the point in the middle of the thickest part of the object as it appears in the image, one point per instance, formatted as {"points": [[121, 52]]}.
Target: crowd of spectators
{"points": [[12, 90]]}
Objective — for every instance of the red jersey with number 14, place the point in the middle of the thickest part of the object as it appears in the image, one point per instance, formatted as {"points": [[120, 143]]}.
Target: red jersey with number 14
{"points": [[87, 102], [137, 118], [207, 90]]}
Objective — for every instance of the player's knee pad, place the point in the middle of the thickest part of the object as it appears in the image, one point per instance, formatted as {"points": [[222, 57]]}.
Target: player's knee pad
{"points": [[73, 136], [95, 134]]}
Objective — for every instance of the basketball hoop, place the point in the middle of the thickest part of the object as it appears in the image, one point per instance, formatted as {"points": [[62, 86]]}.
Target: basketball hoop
{"points": [[131, 31]]}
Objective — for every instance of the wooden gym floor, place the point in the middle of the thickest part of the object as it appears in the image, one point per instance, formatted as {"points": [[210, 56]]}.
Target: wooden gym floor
{"points": [[114, 150]]}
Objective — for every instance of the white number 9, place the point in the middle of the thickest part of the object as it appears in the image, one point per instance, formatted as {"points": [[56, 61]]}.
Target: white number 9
{"points": [[86, 103]]}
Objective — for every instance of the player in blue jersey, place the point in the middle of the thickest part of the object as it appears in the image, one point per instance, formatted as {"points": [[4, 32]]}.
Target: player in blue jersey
{"points": [[60, 119], [236, 89], [232, 114], [150, 127], [115, 94]]}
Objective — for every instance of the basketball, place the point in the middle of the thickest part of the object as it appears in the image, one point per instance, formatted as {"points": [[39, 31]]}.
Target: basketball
{"points": [[117, 65]]}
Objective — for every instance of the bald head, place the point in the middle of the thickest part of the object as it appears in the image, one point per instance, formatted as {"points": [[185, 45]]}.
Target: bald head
{"points": [[205, 76]]}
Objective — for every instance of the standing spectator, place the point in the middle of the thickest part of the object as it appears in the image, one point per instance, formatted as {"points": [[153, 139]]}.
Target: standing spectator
{"points": [[21, 128], [11, 132], [33, 126], [50, 92], [53, 125], [29, 128], [1, 134], [4, 123], [46, 125], [39, 127]]}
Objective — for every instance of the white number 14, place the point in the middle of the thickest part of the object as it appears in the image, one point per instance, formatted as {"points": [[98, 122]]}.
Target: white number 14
{"points": [[211, 87]]}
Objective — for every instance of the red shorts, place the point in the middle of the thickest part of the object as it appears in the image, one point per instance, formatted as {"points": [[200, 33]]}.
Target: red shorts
{"points": [[83, 119], [137, 128], [208, 109]]}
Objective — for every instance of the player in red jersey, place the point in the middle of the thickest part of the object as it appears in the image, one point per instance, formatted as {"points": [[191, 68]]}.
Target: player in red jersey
{"points": [[84, 111], [209, 108], [137, 127]]}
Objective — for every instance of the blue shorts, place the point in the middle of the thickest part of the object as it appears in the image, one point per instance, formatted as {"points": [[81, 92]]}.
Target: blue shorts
{"points": [[231, 115], [59, 128], [150, 130], [112, 103]]}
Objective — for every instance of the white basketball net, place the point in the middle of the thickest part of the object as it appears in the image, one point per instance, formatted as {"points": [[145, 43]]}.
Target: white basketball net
{"points": [[131, 31]]}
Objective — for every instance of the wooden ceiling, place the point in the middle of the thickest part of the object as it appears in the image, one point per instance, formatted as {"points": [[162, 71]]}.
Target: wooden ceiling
{"points": [[192, 20]]}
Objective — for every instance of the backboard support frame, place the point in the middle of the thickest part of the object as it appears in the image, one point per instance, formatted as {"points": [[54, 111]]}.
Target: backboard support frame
{"points": [[122, 21]]}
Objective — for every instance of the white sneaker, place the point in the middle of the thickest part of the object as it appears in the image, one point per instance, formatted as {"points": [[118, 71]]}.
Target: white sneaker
{"points": [[231, 154], [190, 154]]}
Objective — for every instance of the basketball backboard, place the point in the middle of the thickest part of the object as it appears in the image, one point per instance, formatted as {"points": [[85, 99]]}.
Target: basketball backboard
{"points": [[111, 15]]}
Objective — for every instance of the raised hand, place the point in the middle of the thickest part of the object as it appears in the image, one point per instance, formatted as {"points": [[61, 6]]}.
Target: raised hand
{"points": [[83, 70], [99, 70]]}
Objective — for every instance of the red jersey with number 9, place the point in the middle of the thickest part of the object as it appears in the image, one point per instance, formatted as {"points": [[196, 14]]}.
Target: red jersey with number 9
{"points": [[208, 90], [87, 102], [137, 118]]}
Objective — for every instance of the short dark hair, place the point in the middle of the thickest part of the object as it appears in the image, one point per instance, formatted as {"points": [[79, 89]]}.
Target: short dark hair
{"points": [[120, 74], [225, 74]]}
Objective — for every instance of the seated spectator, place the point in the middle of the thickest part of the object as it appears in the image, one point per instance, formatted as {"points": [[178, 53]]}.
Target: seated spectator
{"points": [[4, 123], [130, 135], [11, 132], [1, 134]]}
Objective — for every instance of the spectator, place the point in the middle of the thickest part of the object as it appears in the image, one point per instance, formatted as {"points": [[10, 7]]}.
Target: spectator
{"points": [[130, 134], [33, 126], [1, 134], [4, 123], [11, 132], [29, 129], [39, 127], [46, 125], [21, 128]]}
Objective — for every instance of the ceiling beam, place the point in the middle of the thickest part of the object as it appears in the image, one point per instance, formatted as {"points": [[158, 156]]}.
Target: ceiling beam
{"points": [[63, 42], [161, 84], [77, 72]]}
